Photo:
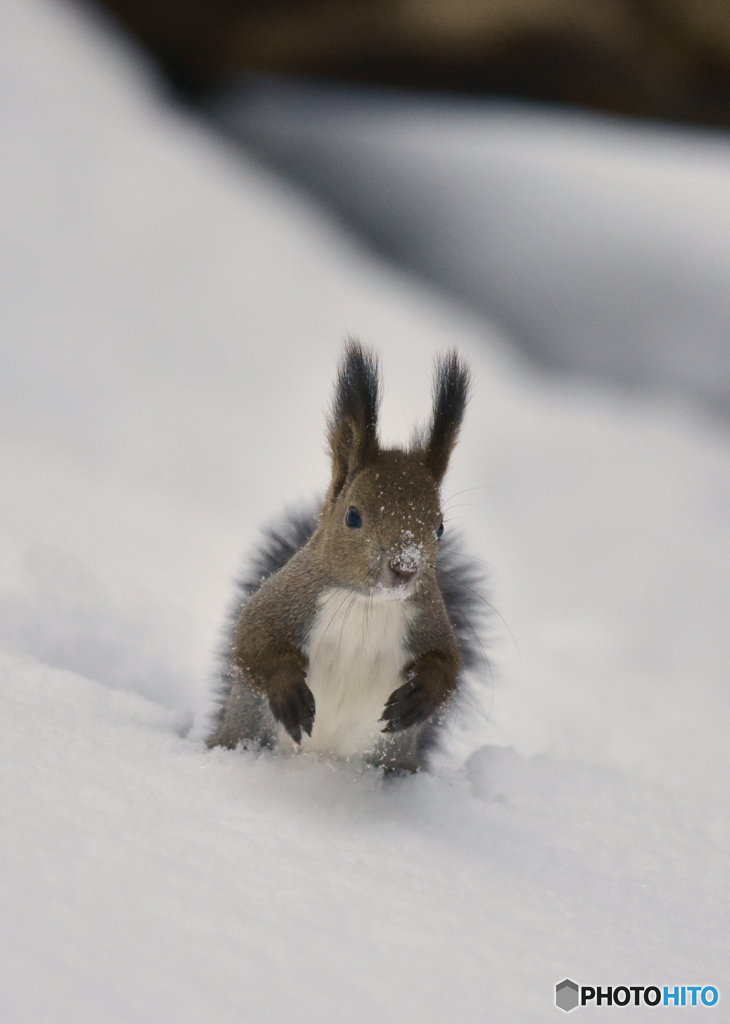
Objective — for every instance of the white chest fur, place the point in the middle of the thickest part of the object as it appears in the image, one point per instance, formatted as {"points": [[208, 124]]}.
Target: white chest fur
{"points": [[356, 651]]}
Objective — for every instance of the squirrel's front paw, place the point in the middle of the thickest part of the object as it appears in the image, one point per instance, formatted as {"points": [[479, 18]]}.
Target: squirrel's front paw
{"points": [[410, 704], [294, 708]]}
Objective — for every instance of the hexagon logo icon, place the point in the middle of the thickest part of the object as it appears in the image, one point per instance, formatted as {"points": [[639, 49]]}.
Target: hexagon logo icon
{"points": [[566, 995]]}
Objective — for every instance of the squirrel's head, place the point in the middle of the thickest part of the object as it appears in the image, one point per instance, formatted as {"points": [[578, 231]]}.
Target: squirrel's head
{"points": [[382, 518]]}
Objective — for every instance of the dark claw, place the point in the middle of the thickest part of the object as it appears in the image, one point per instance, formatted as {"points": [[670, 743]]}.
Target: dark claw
{"points": [[295, 710], [408, 705]]}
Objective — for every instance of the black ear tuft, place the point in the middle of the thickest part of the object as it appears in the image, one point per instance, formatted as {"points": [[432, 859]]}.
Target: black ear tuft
{"points": [[451, 383], [352, 427]]}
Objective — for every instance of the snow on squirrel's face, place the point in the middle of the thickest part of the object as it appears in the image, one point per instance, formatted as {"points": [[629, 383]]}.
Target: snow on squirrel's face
{"points": [[383, 530]]}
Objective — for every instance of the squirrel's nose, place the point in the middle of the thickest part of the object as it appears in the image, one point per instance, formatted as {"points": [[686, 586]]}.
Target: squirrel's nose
{"points": [[402, 572]]}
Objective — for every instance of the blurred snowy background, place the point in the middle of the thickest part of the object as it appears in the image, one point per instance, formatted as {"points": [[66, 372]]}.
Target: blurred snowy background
{"points": [[172, 311]]}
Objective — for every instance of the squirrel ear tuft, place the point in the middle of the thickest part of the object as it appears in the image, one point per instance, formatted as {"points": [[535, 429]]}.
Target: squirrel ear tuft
{"points": [[451, 384], [352, 427]]}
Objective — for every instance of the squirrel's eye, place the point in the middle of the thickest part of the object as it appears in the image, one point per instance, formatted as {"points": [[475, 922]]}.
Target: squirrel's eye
{"points": [[440, 532], [353, 518]]}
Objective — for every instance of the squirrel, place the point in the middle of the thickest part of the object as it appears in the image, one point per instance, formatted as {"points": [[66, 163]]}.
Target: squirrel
{"points": [[353, 628]]}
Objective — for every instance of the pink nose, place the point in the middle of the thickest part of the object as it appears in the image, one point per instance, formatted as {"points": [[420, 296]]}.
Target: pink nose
{"points": [[403, 573]]}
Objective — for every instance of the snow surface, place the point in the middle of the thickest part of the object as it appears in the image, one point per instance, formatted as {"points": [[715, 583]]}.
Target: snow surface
{"points": [[171, 321], [602, 244]]}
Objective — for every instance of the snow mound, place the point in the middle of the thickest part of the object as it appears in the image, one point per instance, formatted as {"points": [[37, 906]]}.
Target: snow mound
{"points": [[601, 244]]}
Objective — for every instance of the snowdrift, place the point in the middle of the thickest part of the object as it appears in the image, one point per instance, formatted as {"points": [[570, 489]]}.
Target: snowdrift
{"points": [[602, 245]]}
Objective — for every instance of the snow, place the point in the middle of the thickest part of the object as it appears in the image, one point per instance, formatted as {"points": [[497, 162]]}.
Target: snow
{"points": [[171, 320], [602, 245], [152, 880]]}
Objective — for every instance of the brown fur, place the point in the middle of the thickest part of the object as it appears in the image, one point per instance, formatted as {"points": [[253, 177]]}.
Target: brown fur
{"points": [[396, 494]]}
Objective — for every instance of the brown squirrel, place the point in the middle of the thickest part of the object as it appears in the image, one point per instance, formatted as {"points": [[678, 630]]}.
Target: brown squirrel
{"points": [[351, 637]]}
